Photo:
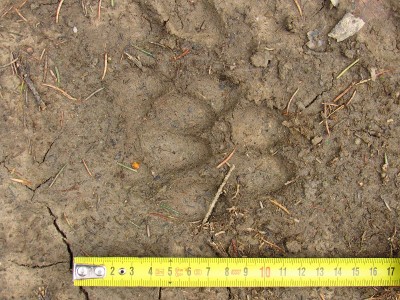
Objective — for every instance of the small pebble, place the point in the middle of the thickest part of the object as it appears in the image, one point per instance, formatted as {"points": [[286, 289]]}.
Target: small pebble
{"points": [[293, 246], [74, 29], [357, 141], [316, 140]]}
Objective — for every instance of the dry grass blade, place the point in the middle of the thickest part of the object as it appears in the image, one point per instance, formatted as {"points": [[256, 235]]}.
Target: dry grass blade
{"points": [[126, 167], [22, 4], [87, 168], [94, 93], [344, 92], [276, 203], [6, 11], [351, 98], [20, 15], [298, 7], [290, 101], [58, 10], [99, 10], [58, 174], [61, 91], [105, 66], [272, 245], [347, 68], [22, 181], [9, 64], [226, 159]]}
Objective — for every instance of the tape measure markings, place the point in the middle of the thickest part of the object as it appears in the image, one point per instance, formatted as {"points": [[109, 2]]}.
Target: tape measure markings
{"points": [[241, 272]]}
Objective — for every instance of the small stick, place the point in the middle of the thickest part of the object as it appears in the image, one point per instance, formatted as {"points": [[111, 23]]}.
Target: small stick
{"points": [[112, 3], [19, 14], [9, 64], [144, 51], [226, 159], [126, 167], [219, 192], [105, 66], [57, 76], [66, 220], [272, 245], [99, 10], [351, 98], [330, 104], [166, 218], [134, 60], [237, 191], [134, 224], [184, 53], [22, 4], [163, 46], [148, 230], [344, 92], [86, 167], [58, 174], [94, 93], [7, 11], [41, 55], [25, 77], [276, 203], [45, 68], [290, 101], [13, 66], [22, 181], [347, 68], [61, 91], [298, 7], [337, 109], [376, 75], [58, 10], [169, 209]]}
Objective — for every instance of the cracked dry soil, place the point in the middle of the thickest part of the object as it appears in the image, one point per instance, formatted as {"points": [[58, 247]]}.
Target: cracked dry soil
{"points": [[180, 118]]}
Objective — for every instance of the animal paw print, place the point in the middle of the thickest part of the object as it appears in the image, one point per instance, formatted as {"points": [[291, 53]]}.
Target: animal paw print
{"points": [[184, 135]]}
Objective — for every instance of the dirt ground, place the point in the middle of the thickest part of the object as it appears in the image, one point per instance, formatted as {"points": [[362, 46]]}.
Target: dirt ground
{"points": [[186, 83]]}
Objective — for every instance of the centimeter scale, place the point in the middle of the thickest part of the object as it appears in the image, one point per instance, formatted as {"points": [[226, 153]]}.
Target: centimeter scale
{"points": [[235, 272]]}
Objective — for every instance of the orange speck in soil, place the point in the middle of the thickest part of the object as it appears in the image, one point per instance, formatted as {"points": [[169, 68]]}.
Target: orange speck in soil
{"points": [[135, 165]]}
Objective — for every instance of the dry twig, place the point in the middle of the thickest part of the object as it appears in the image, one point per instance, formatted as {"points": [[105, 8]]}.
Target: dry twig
{"points": [[61, 91], [87, 168], [226, 159], [58, 174], [25, 77], [219, 192], [94, 93], [290, 101], [298, 7], [99, 10], [58, 10], [9, 64], [105, 66], [276, 203]]}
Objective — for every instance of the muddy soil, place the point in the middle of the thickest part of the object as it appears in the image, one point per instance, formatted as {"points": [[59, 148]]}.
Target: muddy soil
{"points": [[186, 82]]}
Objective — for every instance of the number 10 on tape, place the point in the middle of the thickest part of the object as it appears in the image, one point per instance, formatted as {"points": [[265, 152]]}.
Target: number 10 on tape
{"points": [[235, 272]]}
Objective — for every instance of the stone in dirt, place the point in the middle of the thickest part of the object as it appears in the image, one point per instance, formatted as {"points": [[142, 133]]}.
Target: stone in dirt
{"points": [[347, 27]]}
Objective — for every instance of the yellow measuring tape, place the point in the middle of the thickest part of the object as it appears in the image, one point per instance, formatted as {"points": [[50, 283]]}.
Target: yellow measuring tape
{"points": [[235, 272]]}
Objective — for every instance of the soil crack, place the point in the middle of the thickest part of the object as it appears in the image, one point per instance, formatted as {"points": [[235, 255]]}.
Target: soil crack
{"points": [[48, 150], [64, 236], [84, 292], [40, 266], [229, 293]]}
